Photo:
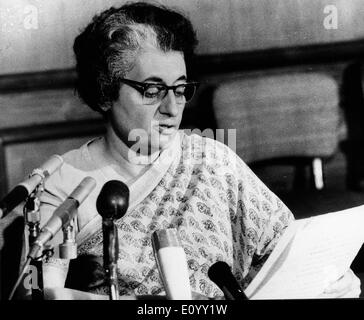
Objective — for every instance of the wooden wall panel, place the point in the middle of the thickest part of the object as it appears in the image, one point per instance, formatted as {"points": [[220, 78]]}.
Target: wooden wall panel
{"points": [[21, 159], [222, 26], [41, 107]]}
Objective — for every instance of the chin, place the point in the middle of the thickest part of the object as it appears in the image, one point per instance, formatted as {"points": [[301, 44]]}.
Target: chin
{"points": [[163, 142]]}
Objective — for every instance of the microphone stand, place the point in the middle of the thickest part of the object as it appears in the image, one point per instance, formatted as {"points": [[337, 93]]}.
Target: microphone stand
{"points": [[111, 254], [32, 218], [112, 203]]}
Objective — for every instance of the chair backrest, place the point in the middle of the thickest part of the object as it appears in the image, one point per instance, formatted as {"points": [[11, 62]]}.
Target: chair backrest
{"points": [[283, 115], [11, 245]]}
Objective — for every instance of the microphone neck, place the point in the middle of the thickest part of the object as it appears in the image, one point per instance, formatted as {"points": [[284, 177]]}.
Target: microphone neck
{"points": [[233, 294], [110, 242], [108, 222], [111, 255]]}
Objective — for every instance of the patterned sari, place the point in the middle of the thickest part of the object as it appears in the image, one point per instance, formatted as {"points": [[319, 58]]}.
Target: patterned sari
{"points": [[199, 186]]}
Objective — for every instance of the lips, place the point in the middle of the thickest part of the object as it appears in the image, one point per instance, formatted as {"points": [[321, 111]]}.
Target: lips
{"points": [[166, 125], [165, 128]]}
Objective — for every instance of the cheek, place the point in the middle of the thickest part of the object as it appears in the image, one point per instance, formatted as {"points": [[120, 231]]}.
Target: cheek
{"points": [[144, 118], [133, 117]]}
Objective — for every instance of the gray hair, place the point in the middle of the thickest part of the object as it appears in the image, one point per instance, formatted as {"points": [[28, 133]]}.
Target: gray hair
{"points": [[106, 50]]}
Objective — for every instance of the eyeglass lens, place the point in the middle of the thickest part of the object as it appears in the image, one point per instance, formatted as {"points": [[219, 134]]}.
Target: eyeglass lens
{"points": [[156, 93]]}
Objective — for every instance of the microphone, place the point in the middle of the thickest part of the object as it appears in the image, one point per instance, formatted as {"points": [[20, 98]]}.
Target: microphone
{"points": [[25, 188], [172, 264], [112, 204], [113, 200], [220, 273], [62, 215]]}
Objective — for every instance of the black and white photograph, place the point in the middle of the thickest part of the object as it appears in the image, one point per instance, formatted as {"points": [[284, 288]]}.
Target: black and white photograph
{"points": [[204, 151]]}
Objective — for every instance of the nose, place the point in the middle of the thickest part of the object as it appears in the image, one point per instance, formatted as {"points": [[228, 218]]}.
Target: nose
{"points": [[169, 105]]}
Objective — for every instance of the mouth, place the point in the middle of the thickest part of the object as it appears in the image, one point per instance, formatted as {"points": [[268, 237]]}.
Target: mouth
{"points": [[166, 128]]}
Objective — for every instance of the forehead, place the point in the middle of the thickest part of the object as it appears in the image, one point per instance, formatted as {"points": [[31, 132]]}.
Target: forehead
{"points": [[151, 62]]}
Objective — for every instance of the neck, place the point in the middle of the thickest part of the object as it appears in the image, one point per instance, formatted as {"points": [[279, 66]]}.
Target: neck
{"points": [[120, 152]]}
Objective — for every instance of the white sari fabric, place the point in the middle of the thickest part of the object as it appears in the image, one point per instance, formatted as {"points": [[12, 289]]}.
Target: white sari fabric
{"points": [[221, 210]]}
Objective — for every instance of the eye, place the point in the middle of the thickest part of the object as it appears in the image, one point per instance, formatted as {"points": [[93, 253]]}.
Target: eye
{"points": [[152, 91], [180, 90]]}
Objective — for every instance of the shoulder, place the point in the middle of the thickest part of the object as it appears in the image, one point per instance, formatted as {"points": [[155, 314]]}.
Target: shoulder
{"points": [[72, 170], [76, 166], [78, 158], [211, 151], [222, 162]]}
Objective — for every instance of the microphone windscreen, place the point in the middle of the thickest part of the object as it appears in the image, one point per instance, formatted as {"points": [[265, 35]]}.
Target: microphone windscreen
{"points": [[113, 200], [220, 273], [172, 264], [82, 191], [23, 189], [218, 270]]}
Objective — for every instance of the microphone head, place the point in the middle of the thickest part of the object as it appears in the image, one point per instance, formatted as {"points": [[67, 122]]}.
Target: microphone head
{"points": [[219, 270], [220, 273], [113, 200]]}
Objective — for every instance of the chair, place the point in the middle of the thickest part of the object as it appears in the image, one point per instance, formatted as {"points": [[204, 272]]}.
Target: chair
{"points": [[352, 103], [282, 118], [11, 243]]}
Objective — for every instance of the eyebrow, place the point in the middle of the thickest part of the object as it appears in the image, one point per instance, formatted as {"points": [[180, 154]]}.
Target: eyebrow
{"points": [[157, 79]]}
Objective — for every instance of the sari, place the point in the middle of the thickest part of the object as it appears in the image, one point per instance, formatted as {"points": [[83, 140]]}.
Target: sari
{"points": [[199, 186]]}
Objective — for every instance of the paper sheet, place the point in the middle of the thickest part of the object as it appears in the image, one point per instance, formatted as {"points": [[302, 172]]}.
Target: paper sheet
{"points": [[312, 253]]}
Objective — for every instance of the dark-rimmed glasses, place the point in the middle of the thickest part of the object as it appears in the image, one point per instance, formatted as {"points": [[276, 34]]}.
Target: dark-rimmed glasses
{"points": [[154, 93]]}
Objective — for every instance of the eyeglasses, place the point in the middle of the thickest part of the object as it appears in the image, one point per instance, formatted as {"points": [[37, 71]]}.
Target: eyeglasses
{"points": [[154, 93]]}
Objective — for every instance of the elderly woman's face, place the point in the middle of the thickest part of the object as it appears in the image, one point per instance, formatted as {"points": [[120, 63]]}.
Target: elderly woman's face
{"points": [[156, 124]]}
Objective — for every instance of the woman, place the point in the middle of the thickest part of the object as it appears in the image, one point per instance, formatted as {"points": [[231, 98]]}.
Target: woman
{"points": [[132, 67]]}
